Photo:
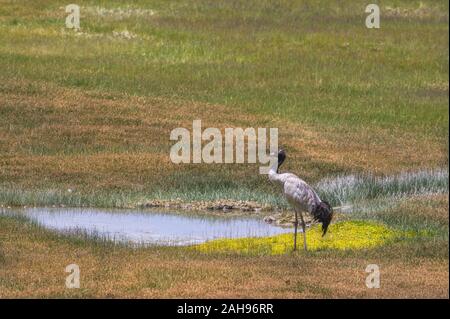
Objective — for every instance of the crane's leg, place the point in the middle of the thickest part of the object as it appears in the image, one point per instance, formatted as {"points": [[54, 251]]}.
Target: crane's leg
{"points": [[304, 231], [295, 230]]}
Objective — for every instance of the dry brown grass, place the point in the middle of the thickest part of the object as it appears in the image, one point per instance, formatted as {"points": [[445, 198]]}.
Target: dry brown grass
{"points": [[33, 267], [32, 263], [57, 137]]}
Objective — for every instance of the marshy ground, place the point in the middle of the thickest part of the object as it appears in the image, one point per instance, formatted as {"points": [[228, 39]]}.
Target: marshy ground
{"points": [[86, 118], [33, 262]]}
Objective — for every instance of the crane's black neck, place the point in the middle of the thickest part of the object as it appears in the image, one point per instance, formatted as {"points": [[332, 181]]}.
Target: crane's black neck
{"points": [[281, 158]]}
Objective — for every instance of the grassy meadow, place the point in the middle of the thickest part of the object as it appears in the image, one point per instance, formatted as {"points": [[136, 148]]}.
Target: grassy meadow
{"points": [[85, 120]]}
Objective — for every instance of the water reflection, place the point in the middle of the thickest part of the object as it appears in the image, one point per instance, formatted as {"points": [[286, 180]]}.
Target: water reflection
{"points": [[151, 227]]}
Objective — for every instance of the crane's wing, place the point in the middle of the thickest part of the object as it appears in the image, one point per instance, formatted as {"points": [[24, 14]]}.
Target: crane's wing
{"points": [[300, 194]]}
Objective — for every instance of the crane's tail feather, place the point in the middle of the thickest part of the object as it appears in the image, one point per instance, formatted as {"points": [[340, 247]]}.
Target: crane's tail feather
{"points": [[323, 214]]}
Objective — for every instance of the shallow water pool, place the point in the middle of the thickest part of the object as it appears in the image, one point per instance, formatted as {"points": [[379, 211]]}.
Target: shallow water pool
{"points": [[146, 227]]}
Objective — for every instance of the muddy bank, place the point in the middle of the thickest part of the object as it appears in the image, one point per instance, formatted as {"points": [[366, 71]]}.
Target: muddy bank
{"points": [[270, 214], [221, 205]]}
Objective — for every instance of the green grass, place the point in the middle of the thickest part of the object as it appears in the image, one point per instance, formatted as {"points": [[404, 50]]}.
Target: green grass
{"points": [[369, 101], [363, 115], [295, 64], [280, 58], [422, 214]]}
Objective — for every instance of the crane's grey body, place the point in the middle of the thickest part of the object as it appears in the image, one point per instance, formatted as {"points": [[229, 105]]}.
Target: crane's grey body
{"points": [[298, 193], [302, 198]]}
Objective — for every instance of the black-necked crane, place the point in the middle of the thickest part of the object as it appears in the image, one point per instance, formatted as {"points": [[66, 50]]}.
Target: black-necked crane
{"points": [[302, 198]]}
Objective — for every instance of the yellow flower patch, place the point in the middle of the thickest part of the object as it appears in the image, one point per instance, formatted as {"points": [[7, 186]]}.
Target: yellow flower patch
{"points": [[341, 236]]}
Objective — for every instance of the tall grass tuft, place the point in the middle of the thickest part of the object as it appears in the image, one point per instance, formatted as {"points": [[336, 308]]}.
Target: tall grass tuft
{"points": [[351, 189], [343, 190]]}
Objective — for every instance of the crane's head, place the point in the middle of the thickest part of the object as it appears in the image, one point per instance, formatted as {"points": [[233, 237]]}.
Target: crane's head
{"points": [[281, 158], [323, 214]]}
